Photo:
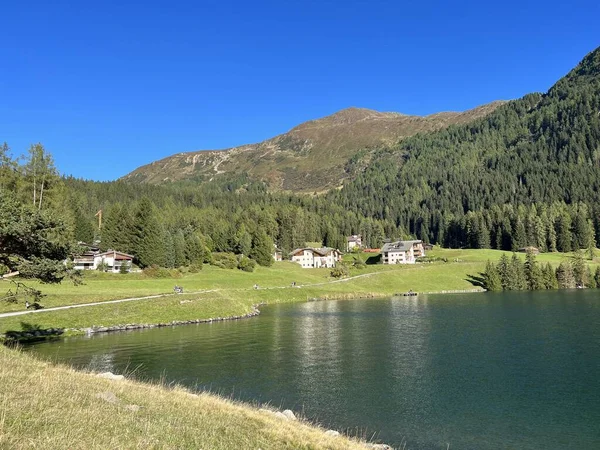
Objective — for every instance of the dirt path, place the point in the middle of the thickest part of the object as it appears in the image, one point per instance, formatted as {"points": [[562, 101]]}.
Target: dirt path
{"points": [[148, 297]]}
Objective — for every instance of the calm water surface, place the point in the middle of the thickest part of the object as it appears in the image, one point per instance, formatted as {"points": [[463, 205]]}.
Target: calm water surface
{"points": [[476, 371]]}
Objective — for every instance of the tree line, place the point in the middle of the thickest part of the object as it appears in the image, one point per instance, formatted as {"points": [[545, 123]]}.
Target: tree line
{"points": [[513, 274]]}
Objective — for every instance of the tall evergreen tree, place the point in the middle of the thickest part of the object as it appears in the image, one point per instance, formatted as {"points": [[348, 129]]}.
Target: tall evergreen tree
{"points": [[262, 249], [491, 277], [148, 245], [564, 276], [505, 272], [549, 275], [519, 282], [533, 273]]}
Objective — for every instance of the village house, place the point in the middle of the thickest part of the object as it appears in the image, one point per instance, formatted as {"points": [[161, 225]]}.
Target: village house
{"points": [[402, 252], [314, 258], [354, 241], [111, 260], [277, 254]]}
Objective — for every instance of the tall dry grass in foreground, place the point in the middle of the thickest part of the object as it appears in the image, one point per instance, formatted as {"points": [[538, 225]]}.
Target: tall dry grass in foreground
{"points": [[53, 407]]}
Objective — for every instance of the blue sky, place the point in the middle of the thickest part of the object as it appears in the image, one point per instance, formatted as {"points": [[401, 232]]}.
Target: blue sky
{"points": [[109, 86]]}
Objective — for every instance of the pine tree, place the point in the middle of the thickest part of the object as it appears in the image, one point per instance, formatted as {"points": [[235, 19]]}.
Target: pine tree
{"points": [[519, 235], [196, 251], [591, 283], [491, 277], [533, 274], [505, 272], [597, 276], [262, 249], [550, 281], [579, 269], [117, 231], [519, 282], [243, 241], [148, 243], [179, 249], [169, 250], [564, 276], [563, 238]]}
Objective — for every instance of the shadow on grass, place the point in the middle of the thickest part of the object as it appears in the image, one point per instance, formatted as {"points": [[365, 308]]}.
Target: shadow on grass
{"points": [[31, 333], [374, 259], [476, 280]]}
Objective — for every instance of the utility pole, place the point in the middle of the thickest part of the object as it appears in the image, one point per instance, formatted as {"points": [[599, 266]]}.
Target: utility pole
{"points": [[99, 216]]}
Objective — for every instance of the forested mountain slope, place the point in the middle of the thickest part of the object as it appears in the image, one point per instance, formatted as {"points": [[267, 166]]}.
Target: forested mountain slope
{"points": [[313, 156], [541, 149]]}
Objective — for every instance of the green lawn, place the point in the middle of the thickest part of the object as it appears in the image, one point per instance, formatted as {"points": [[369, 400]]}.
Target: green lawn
{"points": [[231, 291]]}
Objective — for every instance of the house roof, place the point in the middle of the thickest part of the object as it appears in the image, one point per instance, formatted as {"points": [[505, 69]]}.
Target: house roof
{"points": [[324, 251], [399, 246], [118, 255], [354, 238]]}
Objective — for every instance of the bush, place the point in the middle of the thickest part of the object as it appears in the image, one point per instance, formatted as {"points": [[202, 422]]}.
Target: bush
{"points": [[339, 271], [358, 263], [224, 260], [246, 264], [194, 268], [125, 267], [160, 272]]}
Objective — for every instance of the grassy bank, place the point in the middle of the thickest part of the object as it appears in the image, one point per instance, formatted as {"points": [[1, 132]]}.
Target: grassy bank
{"points": [[222, 293], [47, 406]]}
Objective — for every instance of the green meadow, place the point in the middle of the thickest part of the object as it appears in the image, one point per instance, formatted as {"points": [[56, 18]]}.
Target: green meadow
{"points": [[215, 292]]}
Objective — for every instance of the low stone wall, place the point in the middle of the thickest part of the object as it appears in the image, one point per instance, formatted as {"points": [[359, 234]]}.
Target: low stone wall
{"points": [[13, 337], [137, 326]]}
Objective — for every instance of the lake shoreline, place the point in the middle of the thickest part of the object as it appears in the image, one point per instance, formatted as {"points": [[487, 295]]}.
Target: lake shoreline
{"points": [[15, 337]]}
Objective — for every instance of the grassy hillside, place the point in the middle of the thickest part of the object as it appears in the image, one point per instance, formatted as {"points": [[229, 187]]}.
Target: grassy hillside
{"points": [[47, 406], [313, 156]]}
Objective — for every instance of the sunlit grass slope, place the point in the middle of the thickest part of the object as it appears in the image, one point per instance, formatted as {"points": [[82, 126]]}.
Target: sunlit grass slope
{"points": [[46, 406]]}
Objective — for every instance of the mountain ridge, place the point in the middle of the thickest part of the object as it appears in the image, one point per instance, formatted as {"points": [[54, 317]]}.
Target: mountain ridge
{"points": [[311, 156]]}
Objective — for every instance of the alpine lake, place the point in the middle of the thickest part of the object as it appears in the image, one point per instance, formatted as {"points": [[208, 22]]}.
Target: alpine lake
{"points": [[461, 371]]}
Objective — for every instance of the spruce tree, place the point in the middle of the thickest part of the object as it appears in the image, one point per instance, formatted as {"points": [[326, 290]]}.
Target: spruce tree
{"points": [[549, 275], [563, 238], [179, 249], [243, 241], [533, 274], [564, 276], [597, 276], [591, 283], [148, 244], [505, 272], [579, 269], [491, 277], [519, 282], [262, 249]]}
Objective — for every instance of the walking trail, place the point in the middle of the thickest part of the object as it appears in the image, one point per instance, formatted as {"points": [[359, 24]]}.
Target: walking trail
{"points": [[148, 297]]}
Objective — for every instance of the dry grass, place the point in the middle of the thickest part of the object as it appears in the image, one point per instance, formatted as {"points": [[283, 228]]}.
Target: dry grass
{"points": [[47, 406]]}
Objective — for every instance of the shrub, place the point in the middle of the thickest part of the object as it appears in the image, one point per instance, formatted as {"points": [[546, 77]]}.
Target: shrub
{"points": [[339, 271], [194, 268], [246, 264], [358, 263], [124, 267], [160, 272], [224, 260]]}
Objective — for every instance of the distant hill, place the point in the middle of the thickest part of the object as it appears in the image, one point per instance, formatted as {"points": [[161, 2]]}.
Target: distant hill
{"points": [[317, 155]]}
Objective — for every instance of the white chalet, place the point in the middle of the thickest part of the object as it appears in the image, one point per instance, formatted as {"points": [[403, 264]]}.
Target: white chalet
{"points": [[402, 252], [113, 259], [353, 241], [313, 258]]}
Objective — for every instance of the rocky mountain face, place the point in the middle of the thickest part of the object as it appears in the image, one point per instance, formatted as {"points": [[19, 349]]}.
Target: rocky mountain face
{"points": [[315, 156]]}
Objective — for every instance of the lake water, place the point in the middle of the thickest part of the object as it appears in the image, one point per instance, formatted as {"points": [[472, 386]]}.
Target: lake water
{"points": [[476, 371]]}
